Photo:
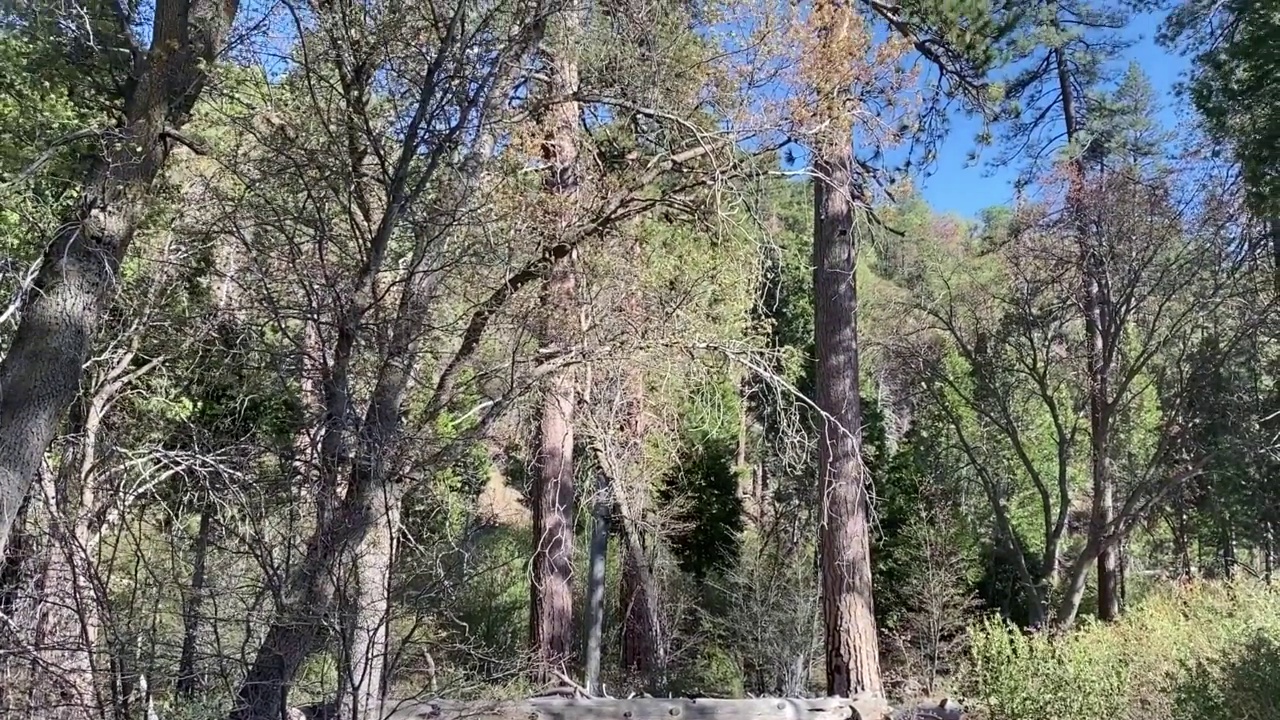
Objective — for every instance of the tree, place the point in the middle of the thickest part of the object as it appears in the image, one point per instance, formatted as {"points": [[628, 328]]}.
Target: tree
{"points": [[72, 293], [1233, 85], [842, 74], [1053, 104], [553, 494]]}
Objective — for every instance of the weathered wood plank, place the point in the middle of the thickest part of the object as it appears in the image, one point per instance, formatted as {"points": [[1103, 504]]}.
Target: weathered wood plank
{"points": [[560, 708]]}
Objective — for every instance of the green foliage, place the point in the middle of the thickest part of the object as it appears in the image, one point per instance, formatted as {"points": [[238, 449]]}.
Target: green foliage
{"points": [[703, 486], [1235, 83], [1177, 654], [1240, 683], [1084, 39]]}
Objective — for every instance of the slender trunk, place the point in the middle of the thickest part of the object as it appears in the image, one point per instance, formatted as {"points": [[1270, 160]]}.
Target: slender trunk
{"points": [[852, 651], [1109, 558], [41, 373], [1268, 539], [69, 613], [20, 602], [551, 607], [366, 632], [593, 625], [1228, 553], [1123, 556], [1097, 324], [643, 648], [1078, 578], [66, 633], [1103, 515], [1182, 542], [299, 625], [189, 682], [1274, 231]]}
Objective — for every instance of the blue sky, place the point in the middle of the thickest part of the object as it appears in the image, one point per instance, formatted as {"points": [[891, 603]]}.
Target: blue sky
{"points": [[954, 188]]}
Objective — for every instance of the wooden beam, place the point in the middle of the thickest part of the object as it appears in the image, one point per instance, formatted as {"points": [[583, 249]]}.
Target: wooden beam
{"points": [[560, 708]]}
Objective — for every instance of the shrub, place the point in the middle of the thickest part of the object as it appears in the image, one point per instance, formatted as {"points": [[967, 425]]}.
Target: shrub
{"points": [[1207, 652]]}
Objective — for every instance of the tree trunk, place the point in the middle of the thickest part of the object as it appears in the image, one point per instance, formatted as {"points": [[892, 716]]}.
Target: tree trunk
{"points": [[352, 539], [69, 609], [1228, 552], [852, 651], [1097, 333], [366, 635], [1268, 560], [1182, 541], [643, 647], [551, 622], [643, 653], [66, 637], [304, 619], [188, 677], [1100, 446], [593, 625], [21, 602], [40, 375]]}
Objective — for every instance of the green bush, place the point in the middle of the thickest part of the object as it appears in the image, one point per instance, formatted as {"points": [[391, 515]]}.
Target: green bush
{"points": [[1208, 652], [1242, 683]]}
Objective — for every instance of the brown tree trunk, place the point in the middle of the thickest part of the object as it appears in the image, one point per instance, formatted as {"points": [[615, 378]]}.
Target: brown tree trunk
{"points": [[551, 608], [66, 636], [852, 651], [352, 541], [643, 652], [305, 619], [1099, 358], [1076, 582], [551, 624], [1268, 549], [40, 375], [1182, 542], [69, 609], [21, 602]]}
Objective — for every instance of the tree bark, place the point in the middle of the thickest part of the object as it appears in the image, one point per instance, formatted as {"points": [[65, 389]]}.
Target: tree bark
{"points": [[551, 622], [642, 648], [66, 632], [367, 626], [1100, 433], [852, 651], [593, 625], [188, 677], [354, 539], [1268, 560], [552, 591], [40, 375], [643, 644], [69, 601]]}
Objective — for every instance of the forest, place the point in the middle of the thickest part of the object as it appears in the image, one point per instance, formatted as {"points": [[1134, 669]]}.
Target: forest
{"points": [[359, 350]]}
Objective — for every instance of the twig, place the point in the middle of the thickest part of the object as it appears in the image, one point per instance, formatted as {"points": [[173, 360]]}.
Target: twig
{"points": [[47, 155], [581, 691]]}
